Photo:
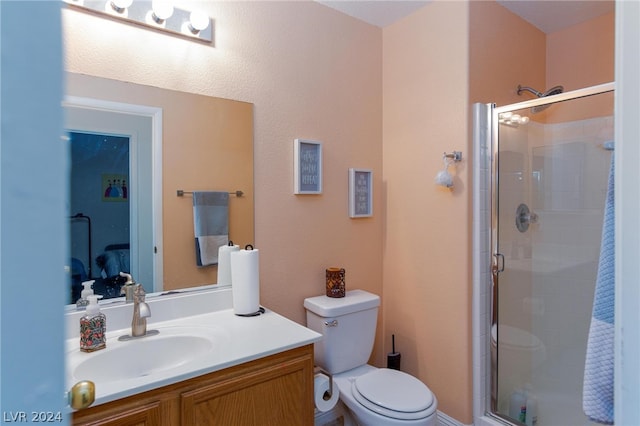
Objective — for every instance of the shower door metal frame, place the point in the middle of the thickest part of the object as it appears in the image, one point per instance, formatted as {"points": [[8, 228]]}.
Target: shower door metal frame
{"points": [[497, 258]]}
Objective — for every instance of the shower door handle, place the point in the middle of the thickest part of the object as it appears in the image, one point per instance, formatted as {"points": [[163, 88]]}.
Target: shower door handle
{"points": [[498, 266]]}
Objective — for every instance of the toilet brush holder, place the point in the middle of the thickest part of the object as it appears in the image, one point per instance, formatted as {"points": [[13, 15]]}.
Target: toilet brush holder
{"points": [[393, 358]]}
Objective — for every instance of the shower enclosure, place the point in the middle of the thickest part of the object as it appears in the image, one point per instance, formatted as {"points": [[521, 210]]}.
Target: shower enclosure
{"points": [[542, 177]]}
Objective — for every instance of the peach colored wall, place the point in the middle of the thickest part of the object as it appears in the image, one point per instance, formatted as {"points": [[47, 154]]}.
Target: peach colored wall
{"points": [[505, 51], [207, 144], [310, 72], [581, 56], [427, 234]]}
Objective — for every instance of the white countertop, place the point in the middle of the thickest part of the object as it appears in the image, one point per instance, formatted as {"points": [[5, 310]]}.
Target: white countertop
{"points": [[236, 340]]}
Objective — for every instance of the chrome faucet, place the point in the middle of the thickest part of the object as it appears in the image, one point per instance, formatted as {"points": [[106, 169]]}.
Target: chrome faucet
{"points": [[141, 312]]}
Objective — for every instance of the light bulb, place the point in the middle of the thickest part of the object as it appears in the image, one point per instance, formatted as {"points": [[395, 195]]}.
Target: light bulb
{"points": [[120, 5], [198, 21], [524, 120], [162, 10]]}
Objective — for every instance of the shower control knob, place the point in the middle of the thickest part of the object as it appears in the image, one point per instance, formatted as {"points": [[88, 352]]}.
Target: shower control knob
{"points": [[525, 217]]}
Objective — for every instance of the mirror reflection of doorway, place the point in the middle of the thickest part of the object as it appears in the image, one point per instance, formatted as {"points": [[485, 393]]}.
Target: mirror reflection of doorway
{"points": [[99, 207], [142, 182]]}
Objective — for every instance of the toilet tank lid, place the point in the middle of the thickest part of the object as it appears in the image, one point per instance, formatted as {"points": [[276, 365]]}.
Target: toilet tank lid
{"points": [[354, 301]]}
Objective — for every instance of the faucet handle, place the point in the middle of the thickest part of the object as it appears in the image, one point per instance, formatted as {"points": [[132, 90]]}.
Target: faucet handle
{"points": [[139, 293]]}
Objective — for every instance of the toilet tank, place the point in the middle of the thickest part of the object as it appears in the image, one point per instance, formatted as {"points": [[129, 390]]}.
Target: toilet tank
{"points": [[348, 328]]}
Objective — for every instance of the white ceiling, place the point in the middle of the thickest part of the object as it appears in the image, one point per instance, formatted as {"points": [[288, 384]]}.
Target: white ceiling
{"points": [[547, 15], [376, 12], [552, 16]]}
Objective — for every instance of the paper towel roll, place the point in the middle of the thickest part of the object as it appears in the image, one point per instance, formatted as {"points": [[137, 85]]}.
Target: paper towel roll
{"points": [[224, 263], [245, 276], [321, 396]]}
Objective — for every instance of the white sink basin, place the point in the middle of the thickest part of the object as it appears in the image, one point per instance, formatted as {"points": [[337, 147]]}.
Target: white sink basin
{"points": [[172, 348], [142, 357]]}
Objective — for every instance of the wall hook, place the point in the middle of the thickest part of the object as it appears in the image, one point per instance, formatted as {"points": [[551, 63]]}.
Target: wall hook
{"points": [[454, 156]]}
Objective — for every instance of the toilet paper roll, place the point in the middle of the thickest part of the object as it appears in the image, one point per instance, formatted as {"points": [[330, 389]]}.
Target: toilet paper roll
{"points": [[224, 263], [324, 400], [245, 276]]}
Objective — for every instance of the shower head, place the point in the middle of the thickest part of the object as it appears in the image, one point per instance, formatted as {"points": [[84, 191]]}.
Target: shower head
{"points": [[555, 90]]}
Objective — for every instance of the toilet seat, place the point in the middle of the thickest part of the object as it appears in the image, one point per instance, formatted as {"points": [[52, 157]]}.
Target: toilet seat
{"points": [[394, 394], [513, 337]]}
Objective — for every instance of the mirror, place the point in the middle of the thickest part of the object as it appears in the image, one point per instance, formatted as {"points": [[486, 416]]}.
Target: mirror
{"points": [[176, 141]]}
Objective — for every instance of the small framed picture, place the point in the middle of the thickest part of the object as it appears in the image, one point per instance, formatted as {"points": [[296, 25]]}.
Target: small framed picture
{"points": [[114, 188], [307, 167], [360, 193]]}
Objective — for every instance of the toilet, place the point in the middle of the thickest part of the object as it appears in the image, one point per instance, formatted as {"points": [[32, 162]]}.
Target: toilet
{"points": [[520, 353], [374, 396]]}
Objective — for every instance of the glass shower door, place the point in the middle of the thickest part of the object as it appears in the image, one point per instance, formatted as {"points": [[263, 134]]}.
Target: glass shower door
{"points": [[550, 177]]}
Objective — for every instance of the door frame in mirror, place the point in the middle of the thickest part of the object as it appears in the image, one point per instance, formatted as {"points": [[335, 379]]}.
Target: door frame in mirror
{"points": [[155, 114]]}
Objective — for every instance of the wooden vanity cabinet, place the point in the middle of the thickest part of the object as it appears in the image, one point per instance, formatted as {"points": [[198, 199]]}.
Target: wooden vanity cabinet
{"points": [[276, 390]]}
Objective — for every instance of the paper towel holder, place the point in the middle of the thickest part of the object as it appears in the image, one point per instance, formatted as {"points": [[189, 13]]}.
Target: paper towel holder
{"points": [[317, 370]]}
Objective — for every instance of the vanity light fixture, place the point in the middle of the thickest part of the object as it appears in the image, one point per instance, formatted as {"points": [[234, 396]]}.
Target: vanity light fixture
{"points": [[157, 14]]}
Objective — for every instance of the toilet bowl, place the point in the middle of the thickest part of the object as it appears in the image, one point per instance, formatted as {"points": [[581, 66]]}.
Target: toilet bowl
{"points": [[519, 353], [518, 344], [380, 396], [374, 396]]}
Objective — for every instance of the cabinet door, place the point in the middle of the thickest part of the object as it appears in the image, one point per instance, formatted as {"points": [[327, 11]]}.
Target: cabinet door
{"points": [[278, 395], [142, 415]]}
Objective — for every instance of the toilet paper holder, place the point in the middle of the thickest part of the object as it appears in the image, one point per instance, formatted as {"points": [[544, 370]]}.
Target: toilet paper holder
{"points": [[316, 370]]}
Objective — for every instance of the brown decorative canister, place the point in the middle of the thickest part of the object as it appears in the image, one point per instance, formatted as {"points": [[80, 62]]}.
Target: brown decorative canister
{"points": [[335, 282]]}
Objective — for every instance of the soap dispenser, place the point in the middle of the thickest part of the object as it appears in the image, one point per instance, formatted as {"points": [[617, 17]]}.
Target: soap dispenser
{"points": [[86, 292], [93, 327]]}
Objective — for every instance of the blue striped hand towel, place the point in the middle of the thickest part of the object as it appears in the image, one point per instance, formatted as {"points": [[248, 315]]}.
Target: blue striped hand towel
{"points": [[210, 225]]}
